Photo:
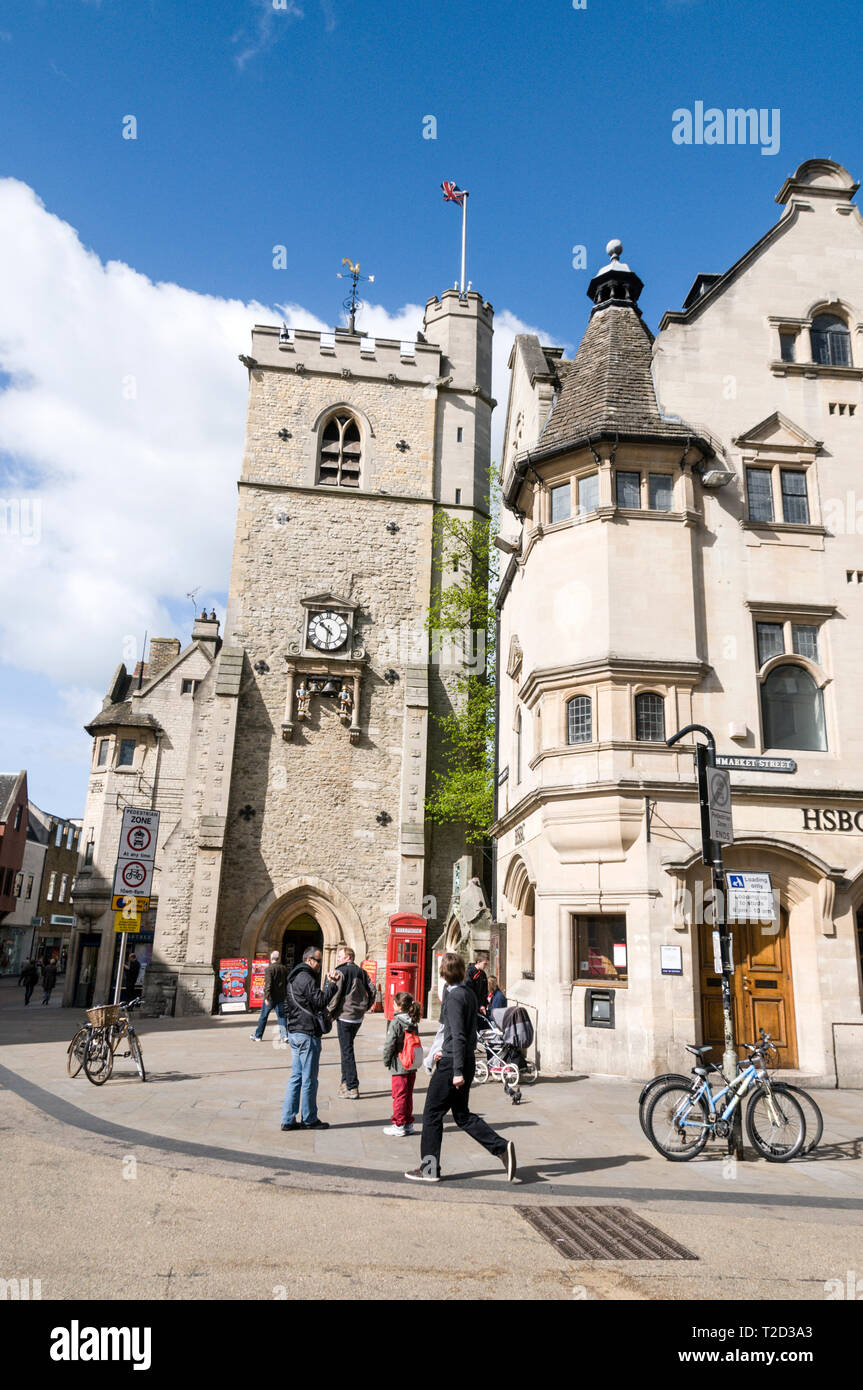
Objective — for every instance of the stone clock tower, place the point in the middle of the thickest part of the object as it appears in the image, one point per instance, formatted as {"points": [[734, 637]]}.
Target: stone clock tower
{"points": [[308, 768]]}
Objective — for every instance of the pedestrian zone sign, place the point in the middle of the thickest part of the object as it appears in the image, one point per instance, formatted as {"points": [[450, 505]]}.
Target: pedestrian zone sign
{"points": [[750, 898]]}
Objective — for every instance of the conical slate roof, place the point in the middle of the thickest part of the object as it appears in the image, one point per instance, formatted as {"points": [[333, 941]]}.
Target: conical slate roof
{"points": [[608, 386]]}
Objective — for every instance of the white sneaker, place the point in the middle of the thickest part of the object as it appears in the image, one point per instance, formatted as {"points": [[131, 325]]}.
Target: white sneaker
{"points": [[255, 1037], [396, 1131]]}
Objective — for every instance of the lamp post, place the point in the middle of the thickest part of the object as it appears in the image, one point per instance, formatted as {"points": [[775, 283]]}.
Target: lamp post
{"points": [[711, 854]]}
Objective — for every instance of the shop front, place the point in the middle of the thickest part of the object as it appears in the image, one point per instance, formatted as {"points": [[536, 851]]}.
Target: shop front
{"points": [[616, 955]]}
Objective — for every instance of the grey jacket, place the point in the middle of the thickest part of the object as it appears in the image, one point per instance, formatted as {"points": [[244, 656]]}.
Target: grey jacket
{"points": [[394, 1042]]}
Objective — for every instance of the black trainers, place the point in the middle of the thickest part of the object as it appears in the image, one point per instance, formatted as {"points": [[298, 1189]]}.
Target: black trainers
{"points": [[293, 1125], [507, 1158], [316, 1124]]}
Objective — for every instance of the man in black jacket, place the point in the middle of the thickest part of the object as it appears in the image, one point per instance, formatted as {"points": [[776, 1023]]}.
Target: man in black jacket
{"points": [[449, 1088], [477, 980], [304, 1006], [275, 983], [49, 979], [359, 997], [29, 978]]}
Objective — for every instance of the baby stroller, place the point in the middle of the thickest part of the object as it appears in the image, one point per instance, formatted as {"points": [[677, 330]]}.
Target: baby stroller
{"points": [[505, 1038]]}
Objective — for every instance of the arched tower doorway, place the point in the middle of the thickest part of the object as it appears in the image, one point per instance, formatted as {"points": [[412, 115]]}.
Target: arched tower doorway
{"points": [[303, 931], [303, 912]]}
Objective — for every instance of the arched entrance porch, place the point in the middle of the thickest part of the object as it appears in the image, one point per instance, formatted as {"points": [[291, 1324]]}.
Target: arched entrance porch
{"points": [[300, 912]]}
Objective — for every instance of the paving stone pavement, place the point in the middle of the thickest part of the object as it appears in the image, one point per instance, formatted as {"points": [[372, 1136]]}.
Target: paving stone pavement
{"points": [[209, 1115]]}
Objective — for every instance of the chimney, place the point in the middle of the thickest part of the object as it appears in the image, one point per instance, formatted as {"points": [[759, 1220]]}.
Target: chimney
{"points": [[206, 630], [162, 653]]}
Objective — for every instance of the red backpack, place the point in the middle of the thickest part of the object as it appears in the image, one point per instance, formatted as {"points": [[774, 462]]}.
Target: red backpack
{"points": [[411, 1054]]}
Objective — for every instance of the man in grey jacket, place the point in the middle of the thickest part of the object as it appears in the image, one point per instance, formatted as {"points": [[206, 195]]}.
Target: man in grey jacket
{"points": [[358, 998]]}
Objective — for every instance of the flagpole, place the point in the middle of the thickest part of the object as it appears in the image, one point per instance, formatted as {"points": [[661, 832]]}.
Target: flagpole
{"points": [[463, 238]]}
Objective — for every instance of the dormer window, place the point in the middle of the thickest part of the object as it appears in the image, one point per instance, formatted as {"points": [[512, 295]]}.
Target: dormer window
{"points": [[341, 452], [831, 341]]}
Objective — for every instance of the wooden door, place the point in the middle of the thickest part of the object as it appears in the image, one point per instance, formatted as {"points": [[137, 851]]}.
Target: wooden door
{"points": [[762, 988]]}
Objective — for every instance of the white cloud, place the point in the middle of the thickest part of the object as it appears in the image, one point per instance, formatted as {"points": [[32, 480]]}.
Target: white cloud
{"points": [[124, 419]]}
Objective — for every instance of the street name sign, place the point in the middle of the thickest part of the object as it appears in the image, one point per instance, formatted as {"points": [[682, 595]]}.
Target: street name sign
{"points": [[739, 763]]}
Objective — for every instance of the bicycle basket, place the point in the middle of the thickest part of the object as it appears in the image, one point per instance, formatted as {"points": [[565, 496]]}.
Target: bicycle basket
{"points": [[104, 1015]]}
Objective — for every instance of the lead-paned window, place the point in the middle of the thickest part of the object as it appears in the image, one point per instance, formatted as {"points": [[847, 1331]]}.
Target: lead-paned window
{"points": [[804, 638], [628, 486], [102, 756], [795, 502], [786, 346], [588, 493], [650, 718], [561, 502], [600, 947], [759, 491], [660, 488], [831, 341], [771, 641], [127, 752], [579, 724]]}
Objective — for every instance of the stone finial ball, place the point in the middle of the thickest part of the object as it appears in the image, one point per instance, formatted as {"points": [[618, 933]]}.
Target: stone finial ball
{"points": [[614, 248]]}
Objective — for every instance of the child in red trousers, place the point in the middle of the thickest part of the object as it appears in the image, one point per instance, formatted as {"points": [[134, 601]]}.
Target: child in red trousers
{"points": [[402, 1056]]}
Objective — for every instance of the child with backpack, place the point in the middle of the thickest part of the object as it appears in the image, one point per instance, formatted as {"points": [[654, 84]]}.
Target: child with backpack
{"points": [[402, 1055]]}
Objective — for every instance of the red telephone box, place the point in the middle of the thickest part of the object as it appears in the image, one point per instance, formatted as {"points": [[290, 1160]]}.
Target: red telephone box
{"points": [[406, 955]]}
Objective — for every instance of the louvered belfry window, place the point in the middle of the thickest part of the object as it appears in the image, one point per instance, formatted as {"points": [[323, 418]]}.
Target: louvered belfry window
{"points": [[341, 451]]}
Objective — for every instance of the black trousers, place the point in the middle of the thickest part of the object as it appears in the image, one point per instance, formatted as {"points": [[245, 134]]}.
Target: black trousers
{"points": [[441, 1097], [347, 1032]]}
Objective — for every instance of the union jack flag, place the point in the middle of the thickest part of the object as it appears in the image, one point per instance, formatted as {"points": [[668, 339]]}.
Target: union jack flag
{"points": [[452, 193]]}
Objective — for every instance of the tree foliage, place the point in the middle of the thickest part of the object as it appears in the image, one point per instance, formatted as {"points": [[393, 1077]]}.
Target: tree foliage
{"points": [[462, 615]]}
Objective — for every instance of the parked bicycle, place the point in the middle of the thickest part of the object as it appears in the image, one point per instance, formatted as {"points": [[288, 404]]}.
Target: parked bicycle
{"points": [[95, 1045], [684, 1114], [811, 1109]]}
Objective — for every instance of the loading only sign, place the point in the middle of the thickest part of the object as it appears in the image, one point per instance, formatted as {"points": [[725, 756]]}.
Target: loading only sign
{"points": [[136, 855]]}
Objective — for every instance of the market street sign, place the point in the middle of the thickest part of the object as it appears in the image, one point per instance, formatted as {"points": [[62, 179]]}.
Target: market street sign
{"points": [[738, 763]]}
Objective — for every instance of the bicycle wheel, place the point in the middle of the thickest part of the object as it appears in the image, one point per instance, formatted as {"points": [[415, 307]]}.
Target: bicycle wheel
{"points": [[812, 1115], [775, 1123], [75, 1051], [137, 1054], [481, 1074], [649, 1090], [678, 1122], [98, 1059]]}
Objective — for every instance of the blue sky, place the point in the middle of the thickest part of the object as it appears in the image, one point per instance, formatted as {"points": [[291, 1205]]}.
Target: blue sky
{"points": [[303, 126]]}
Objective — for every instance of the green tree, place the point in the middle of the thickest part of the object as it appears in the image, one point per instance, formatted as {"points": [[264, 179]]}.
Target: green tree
{"points": [[462, 613]]}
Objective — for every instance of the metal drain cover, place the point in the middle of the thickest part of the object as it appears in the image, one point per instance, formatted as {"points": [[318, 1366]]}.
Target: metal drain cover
{"points": [[603, 1233]]}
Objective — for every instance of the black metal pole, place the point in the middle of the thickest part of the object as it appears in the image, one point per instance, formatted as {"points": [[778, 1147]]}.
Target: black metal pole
{"points": [[711, 853]]}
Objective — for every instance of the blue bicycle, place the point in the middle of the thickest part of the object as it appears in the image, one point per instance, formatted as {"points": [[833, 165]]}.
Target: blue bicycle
{"points": [[683, 1115]]}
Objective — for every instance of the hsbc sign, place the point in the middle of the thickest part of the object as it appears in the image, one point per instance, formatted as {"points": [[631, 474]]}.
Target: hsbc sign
{"points": [[848, 822]]}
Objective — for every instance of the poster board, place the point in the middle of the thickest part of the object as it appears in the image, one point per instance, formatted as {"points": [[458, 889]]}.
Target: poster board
{"points": [[233, 985], [256, 987]]}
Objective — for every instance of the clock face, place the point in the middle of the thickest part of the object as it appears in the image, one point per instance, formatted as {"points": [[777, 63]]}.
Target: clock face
{"points": [[327, 631]]}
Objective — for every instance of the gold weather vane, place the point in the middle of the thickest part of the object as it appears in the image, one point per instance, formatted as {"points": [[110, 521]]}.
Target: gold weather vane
{"points": [[352, 302]]}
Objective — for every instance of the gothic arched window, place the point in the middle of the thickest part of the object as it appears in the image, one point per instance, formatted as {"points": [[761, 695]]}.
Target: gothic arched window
{"points": [[650, 717], [792, 710], [831, 341], [579, 725], [341, 452]]}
